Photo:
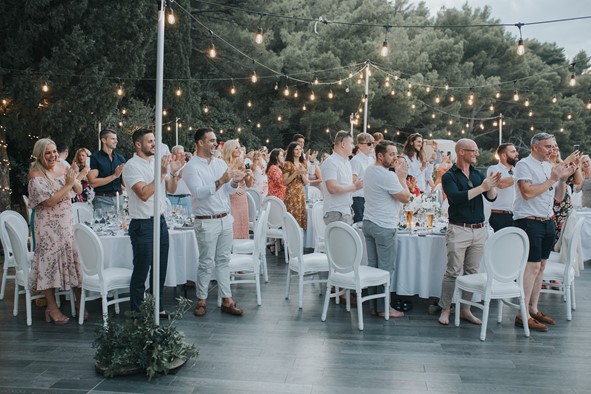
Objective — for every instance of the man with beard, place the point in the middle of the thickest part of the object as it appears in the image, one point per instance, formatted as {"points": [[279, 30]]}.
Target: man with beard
{"points": [[501, 213], [106, 167], [138, 175]]}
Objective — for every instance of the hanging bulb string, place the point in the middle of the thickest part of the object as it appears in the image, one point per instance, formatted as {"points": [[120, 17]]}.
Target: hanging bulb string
{"points": [[437, 109]]}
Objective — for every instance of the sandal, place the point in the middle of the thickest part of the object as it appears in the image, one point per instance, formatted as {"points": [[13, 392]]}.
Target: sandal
{"points": [[200, 309]]}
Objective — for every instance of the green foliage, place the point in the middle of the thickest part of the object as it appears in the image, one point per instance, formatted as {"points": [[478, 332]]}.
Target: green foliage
{"points": [[139, 342]]}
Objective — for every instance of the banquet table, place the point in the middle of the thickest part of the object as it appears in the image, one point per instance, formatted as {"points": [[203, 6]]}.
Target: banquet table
{"points": [[421, 261], [183, 255]]}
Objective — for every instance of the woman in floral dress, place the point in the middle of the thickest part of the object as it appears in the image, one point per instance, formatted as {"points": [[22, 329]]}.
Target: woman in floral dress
{"points": [[295, 177], [275, 175], [80, 158], [238, 201], [55, 263]]}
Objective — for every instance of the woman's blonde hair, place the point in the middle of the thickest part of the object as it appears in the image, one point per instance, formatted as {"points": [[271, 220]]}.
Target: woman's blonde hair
{"points": [[77, 155], [229, 146], [39, 163]]}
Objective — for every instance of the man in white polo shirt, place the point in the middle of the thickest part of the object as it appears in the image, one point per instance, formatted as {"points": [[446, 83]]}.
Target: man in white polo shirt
{"points": [[359, 163], [138, 176], [501, 213], [337, 181], [386, 192], [211, 182], [539, 183]]}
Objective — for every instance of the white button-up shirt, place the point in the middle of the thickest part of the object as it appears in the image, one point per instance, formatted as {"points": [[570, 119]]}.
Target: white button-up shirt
{"points": [[141, 170], [337, 168], [200, 177]]}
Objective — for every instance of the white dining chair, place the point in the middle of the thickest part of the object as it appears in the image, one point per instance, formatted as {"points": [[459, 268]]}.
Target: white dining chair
{"points": [[253, 211], [27, 209], [505, 256], [97, 278], [344, 250], [247, 246], [22, 258], [83, 212], [20, 225], [275, 229], [246, 268], [304, 265], [560, 278], [256, 196], [314, 193], [319, 227]]}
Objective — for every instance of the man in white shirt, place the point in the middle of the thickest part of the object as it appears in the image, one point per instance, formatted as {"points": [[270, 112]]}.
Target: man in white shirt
{"points": [[138, 175], [501, 213], [539, 183], [386, 192], [359, 162], [211, 182], [182, 196], [337, 181], [63, 152]]}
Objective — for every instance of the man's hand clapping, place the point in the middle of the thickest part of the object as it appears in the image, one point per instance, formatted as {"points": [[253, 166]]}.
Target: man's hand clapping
{"points": [[491, 181]]}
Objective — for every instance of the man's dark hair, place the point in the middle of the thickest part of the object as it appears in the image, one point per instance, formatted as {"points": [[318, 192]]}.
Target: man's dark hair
{"points": [[297, 137], [62, 147], [106, 132], [503, 147], [382, 146], [139, 134], [200, 133]]}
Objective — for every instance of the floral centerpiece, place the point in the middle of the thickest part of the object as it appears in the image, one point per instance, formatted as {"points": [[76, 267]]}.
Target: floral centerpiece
{"points": [[419, 205]]}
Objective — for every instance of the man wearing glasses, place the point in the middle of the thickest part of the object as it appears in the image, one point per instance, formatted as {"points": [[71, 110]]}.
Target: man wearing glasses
{"points": [[539, 183], [466, 235], [359, 163], [501, 213]]}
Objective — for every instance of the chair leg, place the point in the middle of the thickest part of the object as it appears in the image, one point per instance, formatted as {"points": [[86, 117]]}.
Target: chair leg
{"points": [[348, 300], [105, 309], [458, 300], [264, 267], [73, 302], [360, 310], [500, 311], [485, 311], [567, 293], [257, 281], [301, 290], [285, 252], [277, 246], [4, 280], [28, 307], [82, 306], [326, 300], [573, 299], [386, 301], [16, 294], [287, 283], [116, 297], [523, 314]]}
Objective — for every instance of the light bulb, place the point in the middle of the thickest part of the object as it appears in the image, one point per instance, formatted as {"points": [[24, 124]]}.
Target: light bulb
{"points": [[433, 115], [304, 107], [120, 124], [393, 92], [330, 94], [276, 87], [470, 101], [45, 87], [164, 112], [526, 103], [347, 89], [316, 81], [437, 99], [491, 108], [258, 125], [212, 52], [520, 47], [178, 92], [569, 116], [286, 91], [258, 38], [515, 96], [446, 87], [296, 94], [312, 96], [385, 50], [171, 18], [413, 106], [279, 118], [249, 103], [482, 126], [532, 128], [123, 111], [573, 80], [253, 77], [554, 100], [562, 129], [408, 93], [327, 130], [206, 109], [119, 91], [498, 95], [233, 90], [530, 113], [452, 98], [589, 105]]}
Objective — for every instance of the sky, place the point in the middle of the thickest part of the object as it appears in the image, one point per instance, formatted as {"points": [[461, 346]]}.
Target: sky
{"points": [[573, 36]]}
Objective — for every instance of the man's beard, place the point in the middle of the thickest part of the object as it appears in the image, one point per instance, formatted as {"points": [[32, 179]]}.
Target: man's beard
{"points": [[512, 161]]}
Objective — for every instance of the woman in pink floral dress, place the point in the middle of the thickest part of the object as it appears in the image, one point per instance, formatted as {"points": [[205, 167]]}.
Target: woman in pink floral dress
{"points": [[238, 201], [55, 263]]}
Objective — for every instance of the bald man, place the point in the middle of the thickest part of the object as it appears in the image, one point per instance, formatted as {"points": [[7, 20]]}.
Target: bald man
{"points": [[465, 186]]}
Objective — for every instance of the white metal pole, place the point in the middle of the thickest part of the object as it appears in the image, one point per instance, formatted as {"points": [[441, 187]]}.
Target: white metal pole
{"points": [[351, 120], [500, 129], [100, 128], [176, 131], [157, 185], [366, 97]]}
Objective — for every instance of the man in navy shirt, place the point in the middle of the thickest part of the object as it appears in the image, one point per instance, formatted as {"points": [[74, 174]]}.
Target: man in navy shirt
{"points": [[464, 186], [106, 167]]}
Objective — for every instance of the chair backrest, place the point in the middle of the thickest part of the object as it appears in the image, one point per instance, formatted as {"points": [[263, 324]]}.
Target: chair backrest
{"points": [[252, 209], [314, 194], [293, 236], [574, 244], [260, 230], [20, 225], [276, 211], [83, 212], [256, 196], [18, 243], [505, 255], [90, 251], [318, 221], [27, 209], [344, 248]]}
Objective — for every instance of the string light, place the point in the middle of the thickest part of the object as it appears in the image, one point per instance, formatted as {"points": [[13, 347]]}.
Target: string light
{"points": [[123, 111], [233, 89], [452, 98], [296, 94], [178, 92], [312, 96], [304, 107], [253, 77], [206, 109], [249, 104], [498, 94], [164, 112], [258, 125], [437, 99], [258, 38], [428, 89], [212, 52], [276, 87], [446, 87], [520, 46], [170, 17], [491, 108], [384, 51], [589, 105], [573, 80], [330, 94], [120, 91], [279, 118], [45, 87], [530, 113], [387, 82], [569, 116], [393, 92], [554, 99], [526, 103], [316, 81], [515, 95], [286, 91]]}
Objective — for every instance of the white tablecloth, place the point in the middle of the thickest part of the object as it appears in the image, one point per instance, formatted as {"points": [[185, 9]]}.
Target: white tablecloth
{"points": [[183, 255], [420, 264]]}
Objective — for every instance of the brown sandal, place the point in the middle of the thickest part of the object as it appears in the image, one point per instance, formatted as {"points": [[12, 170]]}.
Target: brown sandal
{"points": [[200, 309]]}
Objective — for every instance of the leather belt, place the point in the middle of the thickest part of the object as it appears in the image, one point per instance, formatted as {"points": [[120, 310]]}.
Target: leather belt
{"points": [[107, 194], [179, 195], [500, 211], [538, 218], [218, 216], [469, 225]]}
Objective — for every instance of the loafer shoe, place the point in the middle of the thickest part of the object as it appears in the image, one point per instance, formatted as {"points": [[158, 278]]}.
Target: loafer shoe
{"points": [[232, 309], [200, 309], [542, 318], [532, 323]]}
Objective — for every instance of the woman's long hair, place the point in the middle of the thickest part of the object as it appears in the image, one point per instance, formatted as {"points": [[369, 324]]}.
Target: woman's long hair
{"points": [[227, 150], [39, 163], [409, 150], [289, 155], [77, 157], [273, 159]]}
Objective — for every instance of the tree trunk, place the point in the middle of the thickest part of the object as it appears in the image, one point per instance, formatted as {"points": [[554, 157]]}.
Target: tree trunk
{"points": [[4, 172]]}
